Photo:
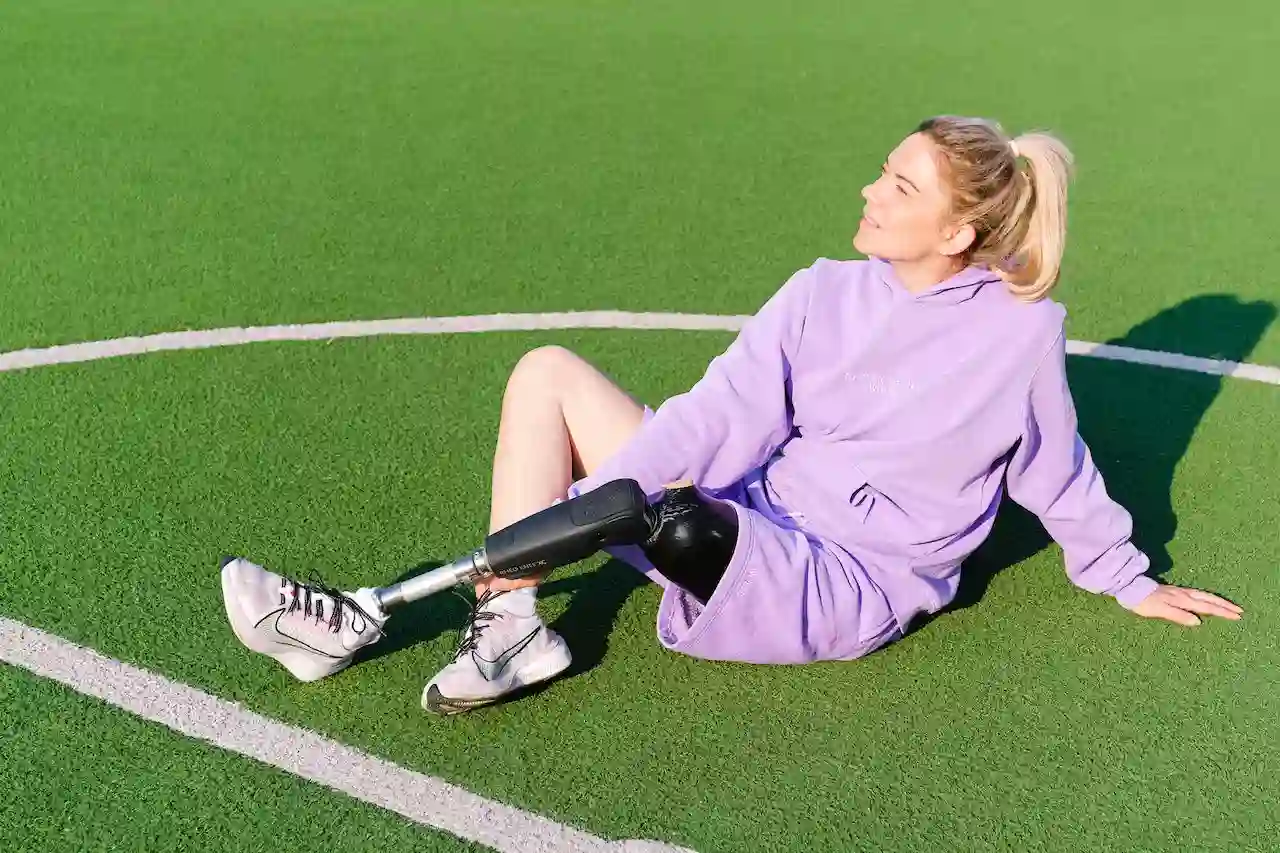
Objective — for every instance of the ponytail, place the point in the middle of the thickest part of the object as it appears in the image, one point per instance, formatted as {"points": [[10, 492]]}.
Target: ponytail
{"points": [[1013, 193], [1032, 263]]}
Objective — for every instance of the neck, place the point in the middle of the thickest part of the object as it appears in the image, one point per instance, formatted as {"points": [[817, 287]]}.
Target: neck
{"points": [[918, 276]]}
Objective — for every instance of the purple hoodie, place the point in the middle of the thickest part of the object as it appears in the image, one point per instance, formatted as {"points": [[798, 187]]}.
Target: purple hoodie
{"points": [[888, 423]]}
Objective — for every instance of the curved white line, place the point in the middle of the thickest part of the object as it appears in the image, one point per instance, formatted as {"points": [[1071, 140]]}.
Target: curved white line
{"points": [[203, 339]]}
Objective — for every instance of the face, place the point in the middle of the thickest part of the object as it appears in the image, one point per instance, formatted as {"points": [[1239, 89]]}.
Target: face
{"points": [[906, 213]]}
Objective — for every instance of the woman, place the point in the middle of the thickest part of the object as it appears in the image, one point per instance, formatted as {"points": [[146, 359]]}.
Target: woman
{"points": [[861, 430]]}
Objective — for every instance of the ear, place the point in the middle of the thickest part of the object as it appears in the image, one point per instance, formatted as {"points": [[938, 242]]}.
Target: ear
{"points": [[956, 239]]}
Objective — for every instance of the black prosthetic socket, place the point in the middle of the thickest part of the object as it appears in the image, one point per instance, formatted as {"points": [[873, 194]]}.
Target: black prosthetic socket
{"points": [[691, 542]]}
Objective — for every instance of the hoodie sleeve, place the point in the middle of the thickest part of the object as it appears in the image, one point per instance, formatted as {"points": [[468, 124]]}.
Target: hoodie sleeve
{"points": [[1053, 475], [733, 419]]}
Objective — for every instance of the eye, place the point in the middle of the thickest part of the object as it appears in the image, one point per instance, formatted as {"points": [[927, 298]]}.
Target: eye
{"points": [[901, 189]]}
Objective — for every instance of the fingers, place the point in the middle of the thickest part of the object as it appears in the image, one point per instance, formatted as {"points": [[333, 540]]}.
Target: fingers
{"points": [[1180, 605], [1164, 610], [1206, 603]]}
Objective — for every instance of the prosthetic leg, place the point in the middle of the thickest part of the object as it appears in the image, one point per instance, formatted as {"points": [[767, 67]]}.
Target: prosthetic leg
{"points": [[686, 539]]}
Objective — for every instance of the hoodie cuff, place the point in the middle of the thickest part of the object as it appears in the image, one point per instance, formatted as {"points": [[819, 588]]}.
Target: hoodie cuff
{"points": [[1137, 591]]}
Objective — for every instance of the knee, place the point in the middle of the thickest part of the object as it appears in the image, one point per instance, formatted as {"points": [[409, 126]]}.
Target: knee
{"points": [[542, 369]]}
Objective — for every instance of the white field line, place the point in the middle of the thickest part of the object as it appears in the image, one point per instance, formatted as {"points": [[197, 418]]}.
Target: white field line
{"points": [[94, 350], [184, 709], [1177, 361], [203, 339]]}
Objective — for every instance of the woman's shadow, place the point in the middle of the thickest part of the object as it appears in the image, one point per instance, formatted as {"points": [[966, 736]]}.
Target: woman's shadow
{"points": [[1138, 421]]}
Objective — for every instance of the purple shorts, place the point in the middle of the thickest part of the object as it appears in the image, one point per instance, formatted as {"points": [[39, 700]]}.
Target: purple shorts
{"points": [[787, 597]]}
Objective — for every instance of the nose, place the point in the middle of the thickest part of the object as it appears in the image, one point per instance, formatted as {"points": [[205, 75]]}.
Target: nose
{"points": [[872, 190]]}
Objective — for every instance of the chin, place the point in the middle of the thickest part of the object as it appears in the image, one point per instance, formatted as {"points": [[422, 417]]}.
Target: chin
{"points": [[863, 244]]}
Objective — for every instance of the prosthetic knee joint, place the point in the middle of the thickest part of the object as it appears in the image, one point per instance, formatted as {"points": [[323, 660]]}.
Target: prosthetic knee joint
{"points": [[687, 539]]}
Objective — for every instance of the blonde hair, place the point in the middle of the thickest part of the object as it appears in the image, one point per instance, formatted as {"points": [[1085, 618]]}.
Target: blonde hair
{"points": [[1014, 194]]}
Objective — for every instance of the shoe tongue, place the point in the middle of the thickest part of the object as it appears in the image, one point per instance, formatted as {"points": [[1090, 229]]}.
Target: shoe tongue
{"points": [[365, 598], [323, 604], [521, 603]]}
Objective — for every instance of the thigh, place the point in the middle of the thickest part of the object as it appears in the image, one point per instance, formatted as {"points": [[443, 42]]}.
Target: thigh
{"points": [[599, 415]]}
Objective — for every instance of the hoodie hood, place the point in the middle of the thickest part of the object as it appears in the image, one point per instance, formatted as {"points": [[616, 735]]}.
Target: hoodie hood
{"points": [[960, 287]]}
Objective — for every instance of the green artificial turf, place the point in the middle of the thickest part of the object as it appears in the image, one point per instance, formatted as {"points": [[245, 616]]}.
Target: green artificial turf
{"points": [[202, 164], [80, 776], [167, 166], [1039, 717]]}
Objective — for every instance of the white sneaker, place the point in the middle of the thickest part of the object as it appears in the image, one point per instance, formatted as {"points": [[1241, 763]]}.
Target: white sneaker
{"points": [[312, 630], [505, 647]]}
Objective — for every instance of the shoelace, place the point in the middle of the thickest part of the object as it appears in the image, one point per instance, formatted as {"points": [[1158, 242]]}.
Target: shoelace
{"points": [[310, 599], [473, 627]]}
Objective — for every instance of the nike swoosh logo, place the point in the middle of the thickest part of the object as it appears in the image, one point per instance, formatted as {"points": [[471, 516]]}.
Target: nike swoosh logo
{"points": [[491, 669], [294, 641]]}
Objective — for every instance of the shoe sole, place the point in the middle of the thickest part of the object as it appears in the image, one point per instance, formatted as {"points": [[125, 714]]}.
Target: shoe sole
{"points": [[537, 672], [300, 665]]}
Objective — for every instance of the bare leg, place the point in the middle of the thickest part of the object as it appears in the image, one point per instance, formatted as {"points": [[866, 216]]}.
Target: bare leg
{"points": [[561, 418]]}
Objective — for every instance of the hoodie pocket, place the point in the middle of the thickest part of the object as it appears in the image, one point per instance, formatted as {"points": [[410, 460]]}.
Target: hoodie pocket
{"points": [[887, 527]]}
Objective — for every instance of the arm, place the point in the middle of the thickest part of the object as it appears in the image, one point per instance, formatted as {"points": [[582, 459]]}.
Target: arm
{"points": [[733, 419], [1053, 475]]}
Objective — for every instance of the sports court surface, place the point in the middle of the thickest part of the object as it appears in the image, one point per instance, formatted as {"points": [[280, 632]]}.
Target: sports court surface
{"points": [[232, 165]]}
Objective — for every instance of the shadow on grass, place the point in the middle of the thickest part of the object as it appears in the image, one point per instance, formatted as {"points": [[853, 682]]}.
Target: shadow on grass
{"points": [[1139, 422], [596, 599]]}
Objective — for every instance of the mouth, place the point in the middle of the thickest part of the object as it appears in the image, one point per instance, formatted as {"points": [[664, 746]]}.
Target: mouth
{"points": [[867, 220]]}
